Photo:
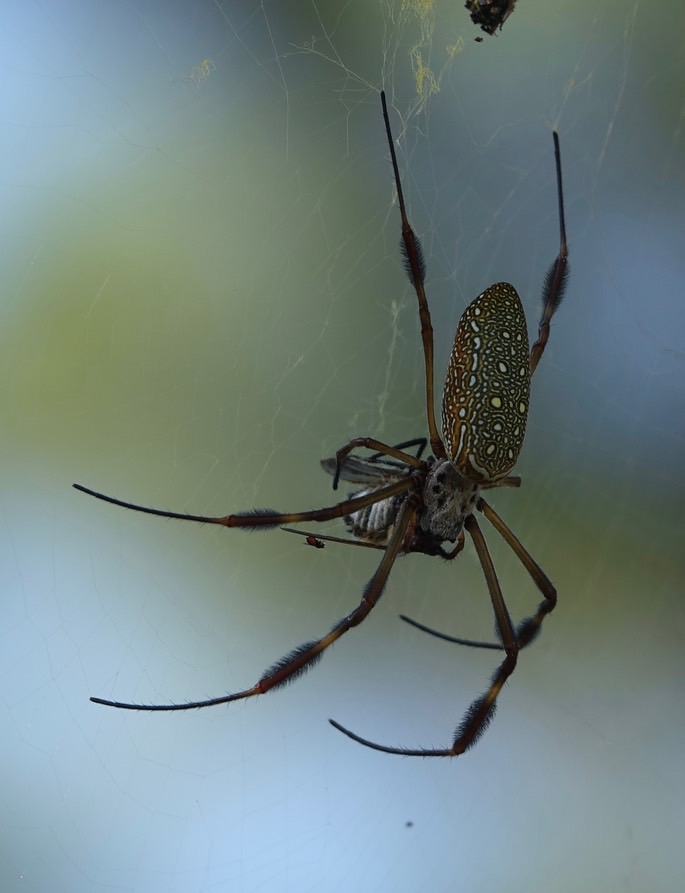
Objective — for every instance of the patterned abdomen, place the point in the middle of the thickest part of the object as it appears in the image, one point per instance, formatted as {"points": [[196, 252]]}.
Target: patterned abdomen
{"points": [[487, 389]]}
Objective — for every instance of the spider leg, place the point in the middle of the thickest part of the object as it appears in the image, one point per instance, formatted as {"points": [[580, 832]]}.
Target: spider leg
{"points": [[471, 643], [480, 713], [415, 267], [269, 517], [509, 481], [372, 444], [527, 629], [419, 442], [305, 656], [345, 541], [557, 275]]}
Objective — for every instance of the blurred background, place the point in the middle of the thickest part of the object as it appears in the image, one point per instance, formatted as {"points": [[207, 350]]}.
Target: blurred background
{"points": [[202, 297]]}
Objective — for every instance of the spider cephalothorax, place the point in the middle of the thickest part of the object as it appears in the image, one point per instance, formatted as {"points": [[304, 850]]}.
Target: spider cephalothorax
{"points": [[409, 504], [447, 499]]}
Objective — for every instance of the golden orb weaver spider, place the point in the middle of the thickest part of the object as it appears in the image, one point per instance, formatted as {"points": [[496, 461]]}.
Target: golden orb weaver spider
{"points": [[409, 504]]}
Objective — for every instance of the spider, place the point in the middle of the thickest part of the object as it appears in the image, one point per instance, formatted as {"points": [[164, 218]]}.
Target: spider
{"points": [[410, 504]]}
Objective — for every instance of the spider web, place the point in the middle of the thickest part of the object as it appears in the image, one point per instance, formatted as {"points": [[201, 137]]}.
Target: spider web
{"points": [[203, 297]]}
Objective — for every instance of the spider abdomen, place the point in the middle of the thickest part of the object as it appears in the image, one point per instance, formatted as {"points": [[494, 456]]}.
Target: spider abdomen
{"points": [[487, 388]]}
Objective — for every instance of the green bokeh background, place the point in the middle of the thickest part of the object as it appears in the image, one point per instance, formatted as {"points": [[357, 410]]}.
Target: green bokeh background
{"points": [[202, 297]]}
